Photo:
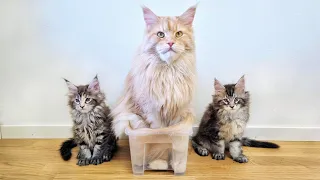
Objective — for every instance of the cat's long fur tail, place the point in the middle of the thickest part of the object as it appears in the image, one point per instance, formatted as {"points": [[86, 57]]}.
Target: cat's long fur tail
{"points": [[66, 147], [261, 144]]}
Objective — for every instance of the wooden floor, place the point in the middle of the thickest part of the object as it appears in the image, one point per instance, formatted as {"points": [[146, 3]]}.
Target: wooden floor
{"points": [[39, 159]]}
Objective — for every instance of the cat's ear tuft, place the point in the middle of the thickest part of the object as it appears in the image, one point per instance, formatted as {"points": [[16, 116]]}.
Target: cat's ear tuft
{"points": [[94, 86], [72, 88], [240, 86], [149, 17], [218, 86], [188, 16]]}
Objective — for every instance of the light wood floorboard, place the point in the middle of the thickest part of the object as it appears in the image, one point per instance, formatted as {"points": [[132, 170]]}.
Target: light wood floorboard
{"points": [[40, 159]]}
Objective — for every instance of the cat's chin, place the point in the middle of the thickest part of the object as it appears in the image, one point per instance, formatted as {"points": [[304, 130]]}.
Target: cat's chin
{"points": [[169, 57]]}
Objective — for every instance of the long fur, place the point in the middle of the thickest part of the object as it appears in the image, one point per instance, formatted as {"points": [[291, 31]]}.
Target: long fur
{"points": [[160, 85], [66, 147], [158, 91], [259, 144], [92, 129], [223, 123]]}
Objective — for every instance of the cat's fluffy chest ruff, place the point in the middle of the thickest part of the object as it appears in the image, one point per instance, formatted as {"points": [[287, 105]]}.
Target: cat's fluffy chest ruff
{"points": [[232, 124], [164, 90], [86, 128]]}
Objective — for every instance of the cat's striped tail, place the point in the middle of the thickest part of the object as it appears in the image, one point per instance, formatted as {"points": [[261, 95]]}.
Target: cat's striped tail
{"points": [[260, 144], [66, 147]]}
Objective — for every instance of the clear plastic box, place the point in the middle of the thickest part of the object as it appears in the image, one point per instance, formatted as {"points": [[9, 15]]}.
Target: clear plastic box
{"points": [[160, 149]]}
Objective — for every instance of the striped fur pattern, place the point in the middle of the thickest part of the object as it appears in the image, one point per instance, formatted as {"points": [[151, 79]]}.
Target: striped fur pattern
{"points": [[92, 130], [223, 124]]}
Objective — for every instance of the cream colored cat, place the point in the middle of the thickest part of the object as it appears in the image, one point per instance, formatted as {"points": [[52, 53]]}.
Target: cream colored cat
{"points": [[159, 87]]}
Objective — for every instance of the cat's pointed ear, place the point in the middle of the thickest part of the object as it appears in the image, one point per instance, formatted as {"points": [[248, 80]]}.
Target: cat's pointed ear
{"points": [[218, 86], [72, 88], [149, 17], [240, 86], [94, 86], [188, 16]]}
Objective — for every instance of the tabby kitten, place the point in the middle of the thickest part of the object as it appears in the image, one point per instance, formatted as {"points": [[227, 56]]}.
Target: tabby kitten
{"points": [[92, 130], [224, 122]]}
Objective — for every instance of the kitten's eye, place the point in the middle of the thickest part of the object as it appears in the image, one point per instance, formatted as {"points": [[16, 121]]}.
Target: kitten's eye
{"points": [[88, 100], [226, 101], [160, 34], [179, 34], [77, 101]]}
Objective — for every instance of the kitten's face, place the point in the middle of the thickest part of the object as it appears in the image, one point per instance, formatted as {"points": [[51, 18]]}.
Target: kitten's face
{"points": [[230, 97], [84, 98], [169, 37]]}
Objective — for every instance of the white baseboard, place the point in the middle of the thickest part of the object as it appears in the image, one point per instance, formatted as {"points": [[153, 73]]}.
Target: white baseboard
{"points": [[256, 132], [17, 132]]}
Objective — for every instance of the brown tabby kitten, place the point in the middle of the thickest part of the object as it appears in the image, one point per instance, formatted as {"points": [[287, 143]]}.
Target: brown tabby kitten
{"points": [[224, 122], [92, 130]]}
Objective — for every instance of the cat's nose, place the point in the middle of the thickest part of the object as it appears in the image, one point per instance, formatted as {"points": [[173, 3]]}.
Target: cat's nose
{"points": [[170, 44], [232, 107], [82, 107]]}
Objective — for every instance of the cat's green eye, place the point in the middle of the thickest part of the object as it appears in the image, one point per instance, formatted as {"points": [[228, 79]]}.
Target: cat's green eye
{"points": [[179, 34], [77, 101], [88, 100], [160, 34]]}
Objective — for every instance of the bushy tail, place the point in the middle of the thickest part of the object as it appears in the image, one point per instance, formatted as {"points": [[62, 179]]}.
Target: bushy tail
{"points": [[66, 147], [260, 144]]}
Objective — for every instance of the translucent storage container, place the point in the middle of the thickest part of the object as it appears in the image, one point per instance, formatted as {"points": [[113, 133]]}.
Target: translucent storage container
{"points": [[160, 149]]}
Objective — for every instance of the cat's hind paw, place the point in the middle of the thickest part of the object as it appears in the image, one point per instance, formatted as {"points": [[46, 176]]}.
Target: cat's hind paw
{"points": [[158, 164], [107, 157], [201, 151]]}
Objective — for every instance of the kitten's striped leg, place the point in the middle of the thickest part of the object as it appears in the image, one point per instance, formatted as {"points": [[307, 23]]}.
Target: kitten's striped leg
{"points": [[84, 155], [235, 149], [97, 155], [104, 148], [217, 150], [97, 152]]}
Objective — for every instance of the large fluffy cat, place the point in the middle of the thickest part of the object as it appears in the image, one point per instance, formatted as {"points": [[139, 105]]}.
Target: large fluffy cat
{"points": [[92, 130], [224, 122], [159, 87]]}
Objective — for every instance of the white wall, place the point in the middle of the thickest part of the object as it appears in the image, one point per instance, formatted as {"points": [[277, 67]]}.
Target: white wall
{"points": [[275, 43]]}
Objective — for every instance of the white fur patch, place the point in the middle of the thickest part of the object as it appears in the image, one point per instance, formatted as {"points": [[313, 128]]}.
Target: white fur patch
{"points": [[158, 164]]}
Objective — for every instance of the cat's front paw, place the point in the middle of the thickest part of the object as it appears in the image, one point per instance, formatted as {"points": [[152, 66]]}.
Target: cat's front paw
{"points": [[83, 162], [96, 160], [241, 159], [218, 156]]}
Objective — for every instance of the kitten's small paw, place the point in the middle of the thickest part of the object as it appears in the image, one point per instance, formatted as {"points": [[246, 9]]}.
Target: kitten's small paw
{"points": [[218, 156], [83, 162], [202, 151], [107, 157], [159, 164], [79, 155], [241, 159], [96, 160]]}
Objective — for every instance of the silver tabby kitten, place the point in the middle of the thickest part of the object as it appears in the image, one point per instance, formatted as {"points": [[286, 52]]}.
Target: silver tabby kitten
{"points": [[224, 122], [92, 130]]}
